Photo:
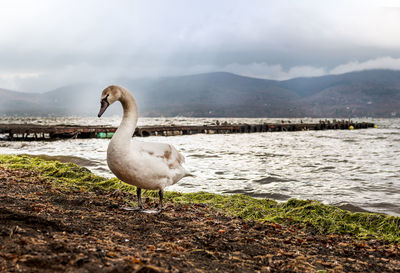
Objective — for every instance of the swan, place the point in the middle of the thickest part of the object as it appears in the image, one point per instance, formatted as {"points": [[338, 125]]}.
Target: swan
{"points": [[146, 165]]}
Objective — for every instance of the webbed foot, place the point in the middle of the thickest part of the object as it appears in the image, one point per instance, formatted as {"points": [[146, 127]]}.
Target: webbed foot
{"points": [[151, 211], [133, 209]]}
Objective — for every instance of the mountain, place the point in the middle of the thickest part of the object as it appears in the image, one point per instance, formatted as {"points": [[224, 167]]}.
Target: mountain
{"points": [[373, 93], [13, 102], [212, 94]]}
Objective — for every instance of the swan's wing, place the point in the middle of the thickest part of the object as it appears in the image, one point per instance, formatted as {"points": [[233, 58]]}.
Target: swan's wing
{"points": [[165, 152], [160, 160]]}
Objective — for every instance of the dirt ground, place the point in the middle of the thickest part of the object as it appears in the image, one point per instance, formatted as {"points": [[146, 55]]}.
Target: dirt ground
{"points": [[43, 229]]}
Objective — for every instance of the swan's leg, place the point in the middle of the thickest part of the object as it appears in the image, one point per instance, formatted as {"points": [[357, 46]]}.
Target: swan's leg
{"points": [[140, 205], [160, 204], [150, 211]]}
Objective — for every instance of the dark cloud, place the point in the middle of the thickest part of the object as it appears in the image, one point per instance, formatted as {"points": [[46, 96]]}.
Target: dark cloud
{"points": [[47, 44]]}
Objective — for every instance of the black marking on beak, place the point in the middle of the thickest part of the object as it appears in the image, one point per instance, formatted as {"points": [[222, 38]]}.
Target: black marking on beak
{"points": [[104, 104]]}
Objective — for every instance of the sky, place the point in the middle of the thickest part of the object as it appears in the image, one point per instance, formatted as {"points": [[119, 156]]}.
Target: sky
{"points": [[48, 44]]}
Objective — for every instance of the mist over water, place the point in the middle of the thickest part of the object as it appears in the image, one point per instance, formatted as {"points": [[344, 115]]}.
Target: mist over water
{"points": [[359, 168]]}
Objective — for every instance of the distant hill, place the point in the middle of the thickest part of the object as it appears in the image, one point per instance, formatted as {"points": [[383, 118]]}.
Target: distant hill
{"points": [[212, 94], [374, 93], [13, 102]]}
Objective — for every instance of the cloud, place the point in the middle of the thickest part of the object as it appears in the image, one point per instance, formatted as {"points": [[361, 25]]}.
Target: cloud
{"points": [[378, 63], [12, 80], [273, 72], [276, 72], [83, 72], [59, 43]]}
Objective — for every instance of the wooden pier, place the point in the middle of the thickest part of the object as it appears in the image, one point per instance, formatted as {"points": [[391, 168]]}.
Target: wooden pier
{"points": [[47, 132]]}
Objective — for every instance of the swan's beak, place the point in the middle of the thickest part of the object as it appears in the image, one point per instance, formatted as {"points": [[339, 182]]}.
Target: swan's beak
{"points": [[103, 107]]}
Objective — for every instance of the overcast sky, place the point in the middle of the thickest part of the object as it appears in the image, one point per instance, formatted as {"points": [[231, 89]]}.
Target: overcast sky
{"points": [[48, 44]]}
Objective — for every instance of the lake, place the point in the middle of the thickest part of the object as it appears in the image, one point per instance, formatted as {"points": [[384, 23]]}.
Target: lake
{"points": [[357, 169]]}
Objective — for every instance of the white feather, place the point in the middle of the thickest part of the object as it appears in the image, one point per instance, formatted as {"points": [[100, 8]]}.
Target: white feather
{"points": [[147, 165]]}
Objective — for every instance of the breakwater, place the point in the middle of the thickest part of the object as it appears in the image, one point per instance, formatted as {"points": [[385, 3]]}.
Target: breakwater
{"points": [[46, 132]]}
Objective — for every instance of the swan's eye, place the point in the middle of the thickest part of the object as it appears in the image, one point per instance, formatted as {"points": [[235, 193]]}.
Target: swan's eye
{"points": [[105, 98]]}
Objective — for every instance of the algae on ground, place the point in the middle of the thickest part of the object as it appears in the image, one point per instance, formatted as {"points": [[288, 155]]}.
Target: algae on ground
{"points": [[323, 218]]}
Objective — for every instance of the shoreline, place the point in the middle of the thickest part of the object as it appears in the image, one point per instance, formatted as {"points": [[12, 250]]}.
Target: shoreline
{"points": [[85, 163], [68, 203]]}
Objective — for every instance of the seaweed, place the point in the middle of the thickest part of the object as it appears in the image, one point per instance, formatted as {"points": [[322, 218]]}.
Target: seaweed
{"points": [[324, 219]]}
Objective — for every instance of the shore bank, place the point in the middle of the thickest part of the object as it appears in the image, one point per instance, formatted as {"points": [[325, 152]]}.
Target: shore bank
{"points": [[61, 217]]}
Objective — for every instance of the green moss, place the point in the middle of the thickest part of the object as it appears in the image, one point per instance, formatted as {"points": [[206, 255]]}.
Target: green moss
{"points": [[67, 176], [323, 218]]}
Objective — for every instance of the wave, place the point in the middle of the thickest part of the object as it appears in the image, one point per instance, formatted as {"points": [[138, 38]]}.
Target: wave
{"points": [[270, 179]]}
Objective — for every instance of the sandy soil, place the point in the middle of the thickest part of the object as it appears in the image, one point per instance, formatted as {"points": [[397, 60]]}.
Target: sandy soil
{"points": [[43, 229]]}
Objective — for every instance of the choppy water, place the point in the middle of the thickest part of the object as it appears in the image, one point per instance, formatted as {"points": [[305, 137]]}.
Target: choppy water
{"points": [[358, 168]]}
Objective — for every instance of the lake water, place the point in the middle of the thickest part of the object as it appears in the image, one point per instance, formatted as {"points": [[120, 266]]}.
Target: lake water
{"points": [[354, 169]]}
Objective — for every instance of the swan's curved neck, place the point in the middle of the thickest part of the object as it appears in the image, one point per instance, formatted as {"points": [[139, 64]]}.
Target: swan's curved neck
{"points": [[129, 120]]}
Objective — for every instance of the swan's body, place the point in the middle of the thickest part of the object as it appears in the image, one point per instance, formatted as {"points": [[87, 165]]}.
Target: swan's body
{"points": [[146, 165]]}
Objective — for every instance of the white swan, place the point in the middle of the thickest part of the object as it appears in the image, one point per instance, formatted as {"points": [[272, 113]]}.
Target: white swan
{"points": [[146, 165]]}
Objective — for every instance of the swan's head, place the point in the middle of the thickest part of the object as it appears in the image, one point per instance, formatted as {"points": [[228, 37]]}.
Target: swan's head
{"points": [[109, 95]]}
